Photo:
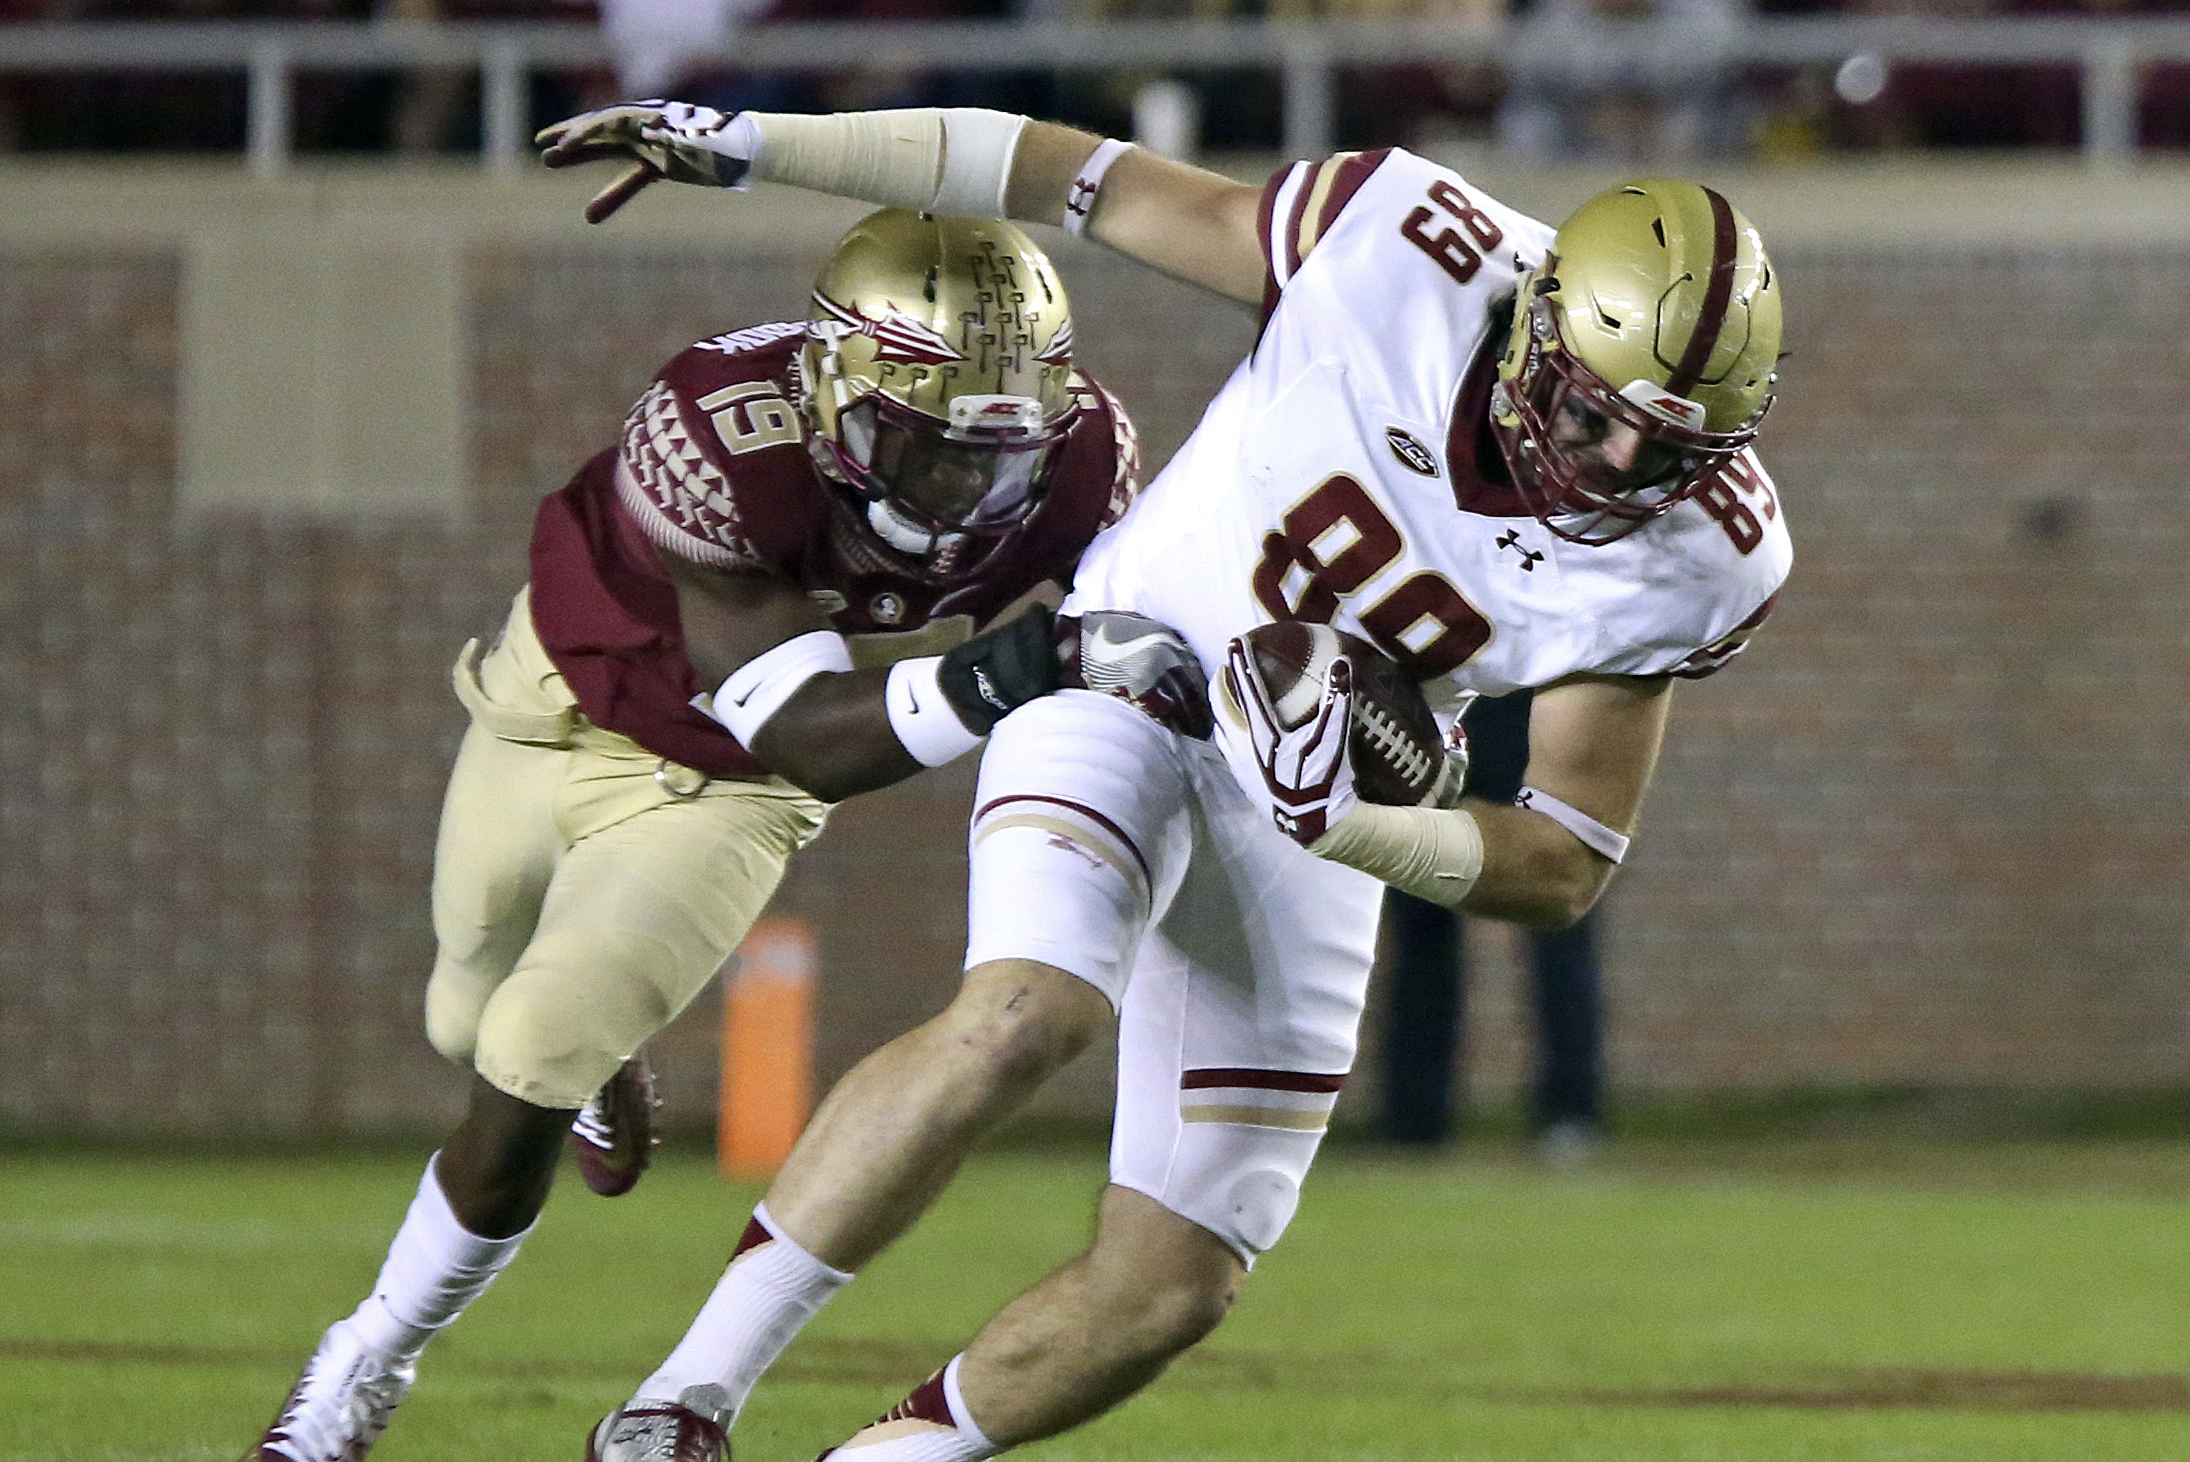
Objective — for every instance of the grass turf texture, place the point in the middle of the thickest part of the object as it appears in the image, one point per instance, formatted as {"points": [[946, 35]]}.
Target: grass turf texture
{"points": [[1691, 1302]]}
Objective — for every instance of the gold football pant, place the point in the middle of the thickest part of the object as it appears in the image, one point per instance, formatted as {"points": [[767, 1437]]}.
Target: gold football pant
{"points": [[584, 890]]}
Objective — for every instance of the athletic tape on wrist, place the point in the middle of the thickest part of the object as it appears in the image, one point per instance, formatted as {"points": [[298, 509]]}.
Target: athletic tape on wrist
{"points": [[757, 689], [921, 716], [889, 157], [978, 148], [1080, 197], [953, 160], [1433, 853], [1592, 832]]}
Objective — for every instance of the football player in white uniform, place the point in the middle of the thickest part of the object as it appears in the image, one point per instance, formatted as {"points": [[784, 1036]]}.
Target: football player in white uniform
{"points": [[1510, 457]]}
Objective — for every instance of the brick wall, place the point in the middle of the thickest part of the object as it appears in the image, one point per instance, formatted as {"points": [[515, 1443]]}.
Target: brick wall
{"points": [[1931, 828]]}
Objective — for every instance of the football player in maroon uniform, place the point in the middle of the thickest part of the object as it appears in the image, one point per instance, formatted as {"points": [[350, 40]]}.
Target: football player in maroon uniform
{"points": [[767, 597]]}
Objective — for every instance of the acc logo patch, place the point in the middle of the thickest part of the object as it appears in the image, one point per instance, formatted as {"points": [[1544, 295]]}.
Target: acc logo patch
{"points": [[1407, 449]]}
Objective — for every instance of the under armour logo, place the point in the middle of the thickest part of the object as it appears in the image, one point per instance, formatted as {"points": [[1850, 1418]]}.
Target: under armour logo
{"points": [[1529, 556], [1080, 197]]}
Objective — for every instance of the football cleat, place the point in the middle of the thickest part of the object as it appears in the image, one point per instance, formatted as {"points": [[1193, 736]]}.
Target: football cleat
{"points": [[613, 1135], [692, 1428], [339, 1406]]}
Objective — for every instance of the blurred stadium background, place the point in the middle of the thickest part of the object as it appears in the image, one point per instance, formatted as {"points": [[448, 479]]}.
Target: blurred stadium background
{"points": [[287, 354]]}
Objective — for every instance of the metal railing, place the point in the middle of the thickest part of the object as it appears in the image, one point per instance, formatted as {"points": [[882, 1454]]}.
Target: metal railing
{"points": [[2110, 55]]}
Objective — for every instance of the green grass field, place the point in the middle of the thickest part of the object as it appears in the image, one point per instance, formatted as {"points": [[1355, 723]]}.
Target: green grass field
{"points": [[1697, 1302]]}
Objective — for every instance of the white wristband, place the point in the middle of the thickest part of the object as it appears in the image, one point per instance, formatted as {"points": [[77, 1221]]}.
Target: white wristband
{"points": [[923, 720], [952, 161], [1600, 838], [1080, 197], [757, 689], [1434, 853]]}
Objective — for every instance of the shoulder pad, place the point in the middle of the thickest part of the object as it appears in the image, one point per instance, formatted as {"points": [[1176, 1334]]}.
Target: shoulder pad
{"points": [[1302, 201], [711, 444], [1103, 411]]}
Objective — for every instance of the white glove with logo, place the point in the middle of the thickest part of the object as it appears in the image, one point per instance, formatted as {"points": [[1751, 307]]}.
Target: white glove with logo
{"points": [[1141, 662], [673, 140], [1303, 772]]}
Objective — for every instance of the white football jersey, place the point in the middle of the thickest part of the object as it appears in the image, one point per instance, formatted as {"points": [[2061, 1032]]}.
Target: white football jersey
{"points": [[1334, 478]]}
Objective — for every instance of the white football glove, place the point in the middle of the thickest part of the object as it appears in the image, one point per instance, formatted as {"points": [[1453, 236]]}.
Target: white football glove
{"points": [[1303, 774], [673, 140], [1141, 662]]}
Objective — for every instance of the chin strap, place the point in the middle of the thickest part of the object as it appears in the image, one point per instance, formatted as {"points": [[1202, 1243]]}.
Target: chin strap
{"points": [[900, 533]]}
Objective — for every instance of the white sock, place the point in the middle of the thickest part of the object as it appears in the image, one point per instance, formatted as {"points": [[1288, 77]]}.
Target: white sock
{"points": [[434, 1269], [931, 1425], [766, 1296]]}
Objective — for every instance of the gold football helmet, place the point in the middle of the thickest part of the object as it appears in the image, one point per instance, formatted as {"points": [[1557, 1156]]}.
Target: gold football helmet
{"points": [[936, 374], [1642, 357]]}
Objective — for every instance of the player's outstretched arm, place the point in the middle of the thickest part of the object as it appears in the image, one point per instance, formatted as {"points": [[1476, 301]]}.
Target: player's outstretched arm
{"points": [[789, 693], [1195, 225], [1188, 222], [1593, 745]]}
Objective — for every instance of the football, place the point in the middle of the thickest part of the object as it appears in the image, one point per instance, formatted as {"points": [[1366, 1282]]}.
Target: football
{"points": [[1397, 751]]}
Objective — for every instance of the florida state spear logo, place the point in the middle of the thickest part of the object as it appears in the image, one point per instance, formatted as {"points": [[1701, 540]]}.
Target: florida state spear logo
{"points": [[898, 337]]}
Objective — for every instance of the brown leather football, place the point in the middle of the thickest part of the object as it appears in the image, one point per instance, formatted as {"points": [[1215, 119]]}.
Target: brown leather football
{"points": [[1397, 751]]}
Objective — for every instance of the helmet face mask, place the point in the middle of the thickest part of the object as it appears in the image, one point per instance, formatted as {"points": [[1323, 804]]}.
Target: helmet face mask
{"points": [[980, 472], [1593, 462], [936, 382], [1641, 359]]}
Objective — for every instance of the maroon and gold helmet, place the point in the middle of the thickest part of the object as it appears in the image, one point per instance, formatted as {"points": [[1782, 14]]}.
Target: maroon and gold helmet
{"points": [[936, 376], [1642, 358]]}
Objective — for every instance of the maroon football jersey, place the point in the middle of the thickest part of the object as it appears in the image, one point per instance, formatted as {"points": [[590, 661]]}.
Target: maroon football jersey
{"points": [[714, 468]]}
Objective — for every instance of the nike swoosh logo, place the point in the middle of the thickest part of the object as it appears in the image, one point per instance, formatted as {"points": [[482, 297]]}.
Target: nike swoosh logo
{"points": [[1120, 648]]}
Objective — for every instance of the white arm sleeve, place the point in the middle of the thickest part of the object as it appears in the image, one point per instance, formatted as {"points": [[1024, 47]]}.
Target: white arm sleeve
{"points": [[954, 160], [1431, 852]]}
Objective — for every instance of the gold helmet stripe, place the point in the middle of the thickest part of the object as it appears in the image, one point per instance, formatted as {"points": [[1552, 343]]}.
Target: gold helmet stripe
{"points": [[1717, 295]]}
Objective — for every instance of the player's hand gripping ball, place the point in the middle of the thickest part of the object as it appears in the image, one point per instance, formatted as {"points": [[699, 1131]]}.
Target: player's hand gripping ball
{"points": [[1325, 719]]}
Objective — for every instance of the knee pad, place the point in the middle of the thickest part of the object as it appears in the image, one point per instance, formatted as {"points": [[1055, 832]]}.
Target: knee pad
{"points": [[570, 1014], [1240, 1182]]}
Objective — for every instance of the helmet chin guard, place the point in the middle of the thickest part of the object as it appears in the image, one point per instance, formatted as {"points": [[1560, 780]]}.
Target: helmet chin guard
{"points": [[1641, 359]]}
